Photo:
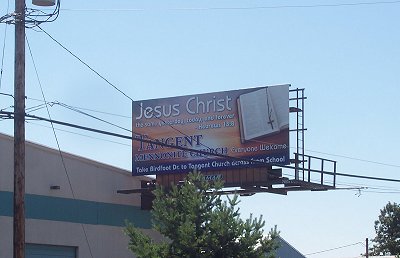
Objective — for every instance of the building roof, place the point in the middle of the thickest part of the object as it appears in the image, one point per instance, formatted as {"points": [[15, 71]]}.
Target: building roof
{"points": [[286, 250], [47, 149]]}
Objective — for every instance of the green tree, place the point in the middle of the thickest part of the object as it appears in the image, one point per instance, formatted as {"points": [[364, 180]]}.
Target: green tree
{"points": [[387, 228], [199, 224]]}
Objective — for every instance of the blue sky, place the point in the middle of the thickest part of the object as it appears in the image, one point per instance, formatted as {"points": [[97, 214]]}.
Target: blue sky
{"points": [[344, 53]]}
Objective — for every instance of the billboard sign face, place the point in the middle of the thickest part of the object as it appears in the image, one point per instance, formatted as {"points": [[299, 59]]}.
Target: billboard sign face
{"points": [[248, 124]]}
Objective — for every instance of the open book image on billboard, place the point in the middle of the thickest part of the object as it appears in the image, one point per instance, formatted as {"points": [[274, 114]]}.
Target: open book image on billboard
{"points": [[262, 112]]}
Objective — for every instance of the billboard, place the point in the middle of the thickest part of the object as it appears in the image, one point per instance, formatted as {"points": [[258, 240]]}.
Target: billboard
{"points": [[212, 131]]}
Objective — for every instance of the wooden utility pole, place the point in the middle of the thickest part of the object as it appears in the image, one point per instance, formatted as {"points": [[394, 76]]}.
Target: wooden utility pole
{"points": [[19, 131], [366, 248]]}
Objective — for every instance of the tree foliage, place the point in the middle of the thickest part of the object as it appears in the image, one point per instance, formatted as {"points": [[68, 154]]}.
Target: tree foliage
{"points": [[199, 224], [387, 228]]}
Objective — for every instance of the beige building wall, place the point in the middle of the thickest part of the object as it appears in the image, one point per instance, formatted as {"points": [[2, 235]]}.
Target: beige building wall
{"points": [[86, 211]]}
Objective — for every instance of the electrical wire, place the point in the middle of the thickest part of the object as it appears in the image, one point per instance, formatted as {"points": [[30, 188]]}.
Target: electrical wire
{"points": [[94, 117], [353, 158], [308, 150], [331, 173], [69, 107], [45, 104], [208, 157], [111, 84], [83, 135], [367, 177], [116, 88], [348, 4], [57, 142], [336, 248], [84, 63], [357, 176], [219, 155], [337, 174], [381, 191], [9, 107], [4, 47], [163, 121], [368, 186], [38, 107], [215, 154], [130, 117], [86, 109], [3, 109]]}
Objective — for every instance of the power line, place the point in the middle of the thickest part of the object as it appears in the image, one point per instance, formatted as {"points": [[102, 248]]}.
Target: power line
{"points": [[202, 152], [358, 159], [48, 113], [8, 95], [86, 64], [38, 107], [77, 109], [182, 133], [365, 177], [362, 187], [349, 4], [313, 151], [340, 174], [151, 141], [45, 104], [94, 117], [335, 248], [131, 98], [66, 106], [4, 47], [154, 140], [381, 192], [57, 142], [83, 135], [158, 118], [207, 154], [367, 186], [86, 109]]}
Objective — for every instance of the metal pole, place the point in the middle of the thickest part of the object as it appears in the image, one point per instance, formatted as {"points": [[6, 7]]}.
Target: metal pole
{"points": [[366, 248], [19, 131]]}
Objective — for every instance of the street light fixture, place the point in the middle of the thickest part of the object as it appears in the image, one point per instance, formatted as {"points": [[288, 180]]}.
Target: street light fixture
{"points": [[44, 2]]}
